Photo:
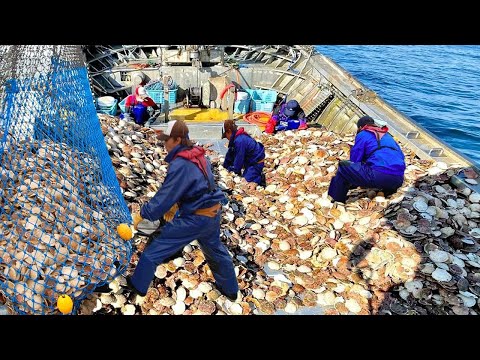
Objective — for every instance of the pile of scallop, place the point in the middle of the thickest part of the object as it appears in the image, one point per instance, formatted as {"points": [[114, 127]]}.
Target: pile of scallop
{"points": [[415, 252]]}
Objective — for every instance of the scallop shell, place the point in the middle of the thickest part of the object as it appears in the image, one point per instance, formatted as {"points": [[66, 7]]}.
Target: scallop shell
{"points": [[178, 308], [439, 256], [474, 197], [447, 231], [328, 253], [235, 309], [258, 293], [420, 206], [475, 232], [441, 275], [290, 308], [468, 301], [273, 265], [410, 230], [300, 220], [353, 306]]}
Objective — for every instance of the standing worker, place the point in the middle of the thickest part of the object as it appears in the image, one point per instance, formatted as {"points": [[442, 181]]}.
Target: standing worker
{"points": [[190, 184], [244, 153], [376, 161]]}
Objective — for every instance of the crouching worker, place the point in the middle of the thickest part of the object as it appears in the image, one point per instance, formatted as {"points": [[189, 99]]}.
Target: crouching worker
{"points": [[287, 116], [376, 161], [137, 105], [190, 184], [244, 153]]}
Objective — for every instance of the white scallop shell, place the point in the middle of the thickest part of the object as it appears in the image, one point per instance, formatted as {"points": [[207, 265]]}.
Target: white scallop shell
{"points": [[256, 226], [180, 261], [468, 301], [409, 230], [447, 231], [273, 265], [304, 269], [404, 293], [300, 220], [438, 256], [474, 197], [439, 189], [258, 293], [353, 306], [420, 206], [290, 308], [178, 308], [181, 294], [204, 287], [452, 203], [271, 188], [413, 285], [441, 275], [235, 309], [328, 253], [337, 224], [305, 254], [475, 232], [441, 165], [128, 309]]}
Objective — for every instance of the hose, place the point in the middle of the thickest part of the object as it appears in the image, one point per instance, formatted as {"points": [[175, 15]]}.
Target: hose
{"points": [[259, 118]]}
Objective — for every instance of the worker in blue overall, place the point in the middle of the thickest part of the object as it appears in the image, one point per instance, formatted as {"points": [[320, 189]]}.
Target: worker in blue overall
{"points": [[244, 153], [190, 184], [376, 161], [287, 116]]}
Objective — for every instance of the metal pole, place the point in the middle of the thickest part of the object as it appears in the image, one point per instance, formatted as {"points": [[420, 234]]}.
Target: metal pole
{"points": [[166, 90]]}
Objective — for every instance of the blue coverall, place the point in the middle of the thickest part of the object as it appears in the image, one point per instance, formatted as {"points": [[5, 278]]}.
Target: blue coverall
{"points": [[373, 164], [186, 185], [245, 153]]}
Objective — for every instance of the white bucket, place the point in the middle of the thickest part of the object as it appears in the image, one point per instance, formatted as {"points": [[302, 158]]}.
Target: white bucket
{"points": [[106, 101], [242, 95]]}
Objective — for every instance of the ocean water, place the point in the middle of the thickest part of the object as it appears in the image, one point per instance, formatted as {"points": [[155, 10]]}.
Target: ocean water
{"points": [[438, 86]]}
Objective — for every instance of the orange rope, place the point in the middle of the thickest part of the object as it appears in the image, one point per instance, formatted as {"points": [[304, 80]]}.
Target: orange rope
{"points": [[259, 118]]}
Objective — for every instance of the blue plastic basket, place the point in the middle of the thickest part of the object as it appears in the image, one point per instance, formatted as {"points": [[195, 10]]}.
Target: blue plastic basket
{"points": [[266, 96], [242, 106], [157, 96], [258, 105]]}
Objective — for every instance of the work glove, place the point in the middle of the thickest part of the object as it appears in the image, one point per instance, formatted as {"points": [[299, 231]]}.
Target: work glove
{"points": [[136, 220], [170, 214]]}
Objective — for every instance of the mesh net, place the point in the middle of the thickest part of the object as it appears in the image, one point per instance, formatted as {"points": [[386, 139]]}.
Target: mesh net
{"points": [[60, 202]]}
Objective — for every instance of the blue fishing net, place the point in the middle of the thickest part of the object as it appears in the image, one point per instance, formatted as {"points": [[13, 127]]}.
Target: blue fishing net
{"points": [[60, 201]]}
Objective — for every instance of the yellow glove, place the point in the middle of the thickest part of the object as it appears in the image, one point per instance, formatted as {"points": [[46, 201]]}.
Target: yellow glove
{"points": [[171, 213], [136, 219]]}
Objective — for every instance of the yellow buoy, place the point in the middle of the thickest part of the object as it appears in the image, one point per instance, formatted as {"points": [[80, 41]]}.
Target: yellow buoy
{"points": [[125, 231], [64, 304]]}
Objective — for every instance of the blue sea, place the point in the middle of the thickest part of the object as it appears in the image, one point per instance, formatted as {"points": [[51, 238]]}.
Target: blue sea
{"points": [[437, 86]]}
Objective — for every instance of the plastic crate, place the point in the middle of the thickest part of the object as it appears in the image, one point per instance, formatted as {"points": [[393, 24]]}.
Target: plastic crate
{"points": [[262, 106], [121, 105], [110, 110], [242, 106], [266, 96], [157, 96]]}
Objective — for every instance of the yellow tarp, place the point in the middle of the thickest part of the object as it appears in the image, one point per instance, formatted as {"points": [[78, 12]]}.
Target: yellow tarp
{"points": [[204, 115]]}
